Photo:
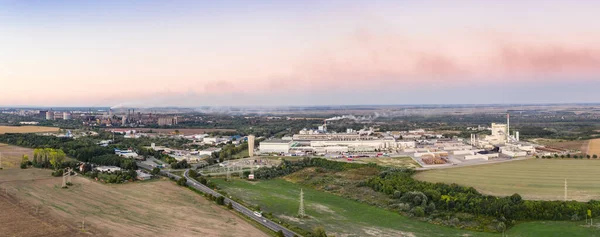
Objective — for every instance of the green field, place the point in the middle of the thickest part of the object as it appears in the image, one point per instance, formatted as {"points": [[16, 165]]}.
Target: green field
{"points": [[339, 216], [554, 229], [345, 217], [536, 179]]}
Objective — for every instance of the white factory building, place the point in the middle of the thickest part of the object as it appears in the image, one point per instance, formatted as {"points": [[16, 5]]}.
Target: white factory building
{"points": [[275, 146]]}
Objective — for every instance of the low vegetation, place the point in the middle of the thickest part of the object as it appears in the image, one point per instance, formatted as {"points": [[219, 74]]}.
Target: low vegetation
{"points": [[447, 204]]}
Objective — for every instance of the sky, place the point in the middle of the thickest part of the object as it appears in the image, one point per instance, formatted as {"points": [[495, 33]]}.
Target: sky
{"points": [[247, 53]]}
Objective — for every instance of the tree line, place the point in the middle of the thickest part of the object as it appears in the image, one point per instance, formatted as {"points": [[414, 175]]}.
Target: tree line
{"points": [[83, 149]]}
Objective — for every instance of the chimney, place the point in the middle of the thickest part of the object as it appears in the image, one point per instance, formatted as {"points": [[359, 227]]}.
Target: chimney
{"points": [[507, 125]]}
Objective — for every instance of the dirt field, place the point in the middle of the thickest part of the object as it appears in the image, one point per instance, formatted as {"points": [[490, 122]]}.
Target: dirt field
{"points": [[184, 131], [391, 161], [19, 219], [579, 145], [593, 147], [11, 155], [26, 129], [538, 179], [152, 208]]}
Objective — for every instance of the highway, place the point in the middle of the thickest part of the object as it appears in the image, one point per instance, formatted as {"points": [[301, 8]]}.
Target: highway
{"points": [[236, 206]]}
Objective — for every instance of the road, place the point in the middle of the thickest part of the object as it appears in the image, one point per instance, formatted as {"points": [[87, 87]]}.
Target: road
{"points": [[236, 206]]}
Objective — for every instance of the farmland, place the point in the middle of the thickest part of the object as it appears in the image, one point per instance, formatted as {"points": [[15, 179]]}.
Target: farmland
{"points": [[11, 155], [338, 215], [593, 147], [26, 129], [535, 179], [152, 208], [18, 219]]}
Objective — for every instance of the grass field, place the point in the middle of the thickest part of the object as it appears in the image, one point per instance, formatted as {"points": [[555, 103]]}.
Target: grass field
{"points": [[537, 179], [554, 229], [345, 217], [11, 155], [338, 215], [151, 208], [26, 129]]}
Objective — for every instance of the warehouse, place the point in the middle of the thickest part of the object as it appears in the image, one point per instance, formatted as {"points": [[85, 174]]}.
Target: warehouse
{"points": [[275, 146]]}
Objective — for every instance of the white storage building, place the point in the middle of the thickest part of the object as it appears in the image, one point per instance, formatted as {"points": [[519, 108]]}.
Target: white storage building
{"points": [[275, 146]]}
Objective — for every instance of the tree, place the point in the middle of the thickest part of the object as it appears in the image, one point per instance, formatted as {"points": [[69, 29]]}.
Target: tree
{"points": [[501, 227], [25, 162], [589, 214], [182, 182], [280, 233], [56, 157], [588, 156], [193, 173], [221, 200], [595, 156], [155, 171], [568, 155], [229, 205]]}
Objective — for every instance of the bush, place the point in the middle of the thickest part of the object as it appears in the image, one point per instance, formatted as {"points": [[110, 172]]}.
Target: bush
{"points": [[57, 173], [418, 211], [155, 171]]}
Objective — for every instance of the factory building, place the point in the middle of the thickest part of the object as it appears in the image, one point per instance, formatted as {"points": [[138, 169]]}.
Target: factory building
{"points": [[275, 146], [167, 121]]}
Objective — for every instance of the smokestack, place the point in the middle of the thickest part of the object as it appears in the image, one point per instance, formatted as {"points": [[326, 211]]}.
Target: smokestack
{"points": [[507, 125]]}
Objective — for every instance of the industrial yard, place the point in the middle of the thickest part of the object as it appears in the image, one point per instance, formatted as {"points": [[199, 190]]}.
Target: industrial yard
{"points": [[154, 208], [536, 179]]}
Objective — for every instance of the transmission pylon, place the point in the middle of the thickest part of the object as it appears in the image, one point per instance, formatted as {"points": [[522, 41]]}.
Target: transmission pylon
{"points": [[228, 174], [301, 208], [66, 174]]}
